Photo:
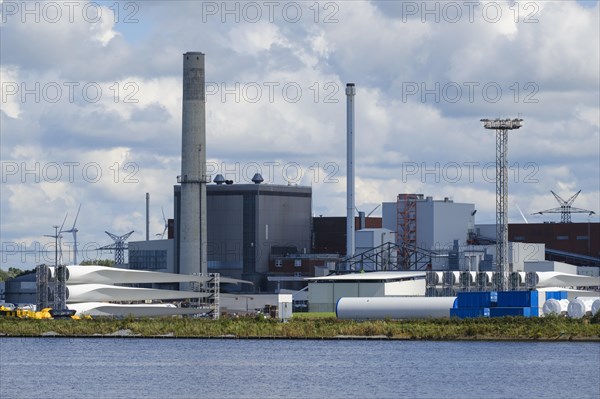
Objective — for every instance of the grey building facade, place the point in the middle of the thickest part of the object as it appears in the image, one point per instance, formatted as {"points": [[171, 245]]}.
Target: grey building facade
{"points": [[248, 223]]}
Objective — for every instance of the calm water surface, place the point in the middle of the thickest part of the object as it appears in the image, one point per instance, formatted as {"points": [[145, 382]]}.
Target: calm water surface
{"points": [[172, 368]]}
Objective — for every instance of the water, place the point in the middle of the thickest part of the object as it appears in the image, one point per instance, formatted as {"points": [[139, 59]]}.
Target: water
{"points": [[173, 368]]}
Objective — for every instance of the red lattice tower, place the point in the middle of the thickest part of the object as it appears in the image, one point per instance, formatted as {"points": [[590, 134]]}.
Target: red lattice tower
{"points": [[406, 226]]}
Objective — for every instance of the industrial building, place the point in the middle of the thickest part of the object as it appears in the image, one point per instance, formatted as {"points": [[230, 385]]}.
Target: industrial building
{"points": [[427, 223], [21, 289], [324, 292], [249, 223], [329, 232], [247, 226]]}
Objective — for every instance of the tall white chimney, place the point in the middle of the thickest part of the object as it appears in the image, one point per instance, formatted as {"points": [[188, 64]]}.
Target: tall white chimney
{"points": [[192, 242], [350, 93]]}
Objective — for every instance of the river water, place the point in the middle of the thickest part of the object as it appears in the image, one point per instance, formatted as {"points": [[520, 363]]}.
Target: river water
{"points": [[222, 368]]}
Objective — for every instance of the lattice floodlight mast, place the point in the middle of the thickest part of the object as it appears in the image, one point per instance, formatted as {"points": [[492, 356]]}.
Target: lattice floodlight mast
{"points": [[565, 209], [502, 126], [118, 246]]}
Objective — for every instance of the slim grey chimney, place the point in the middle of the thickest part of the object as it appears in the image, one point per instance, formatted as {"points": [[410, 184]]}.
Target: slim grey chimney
{"points": [[192, 247], [350, 93], [147, 216]]}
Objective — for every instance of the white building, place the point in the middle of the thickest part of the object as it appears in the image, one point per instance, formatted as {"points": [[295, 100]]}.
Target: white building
{"points": [[324, 292], [437, 222]]}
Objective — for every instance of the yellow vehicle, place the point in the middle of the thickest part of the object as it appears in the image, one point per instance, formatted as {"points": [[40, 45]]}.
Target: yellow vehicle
{"points": [[46, 313]]}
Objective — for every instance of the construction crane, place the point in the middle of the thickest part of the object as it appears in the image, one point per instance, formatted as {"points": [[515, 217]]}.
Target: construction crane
{"points": [[565, 209]]}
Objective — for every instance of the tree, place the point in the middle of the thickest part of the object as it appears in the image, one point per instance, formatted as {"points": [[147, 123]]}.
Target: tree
{"points": [[98, 262], [12, 272]]}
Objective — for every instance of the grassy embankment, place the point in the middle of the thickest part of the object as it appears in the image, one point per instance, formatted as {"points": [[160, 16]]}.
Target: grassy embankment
{"points": [[546, 328]]}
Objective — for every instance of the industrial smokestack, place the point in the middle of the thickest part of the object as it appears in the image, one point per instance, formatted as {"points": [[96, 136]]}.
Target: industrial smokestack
{"points": [[147, 216], [192, 247], [350, 93]]}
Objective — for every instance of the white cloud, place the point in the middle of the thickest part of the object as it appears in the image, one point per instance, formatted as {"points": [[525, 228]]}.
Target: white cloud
{"points": [[9, 89], [553, 60]]}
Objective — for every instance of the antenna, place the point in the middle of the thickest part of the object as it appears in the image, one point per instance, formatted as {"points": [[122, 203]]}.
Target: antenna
{"points": [[73, 230], [565, 209]]}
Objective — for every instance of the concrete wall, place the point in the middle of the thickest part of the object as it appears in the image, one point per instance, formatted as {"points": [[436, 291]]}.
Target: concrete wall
{"points": [[143, 255], [282, 221], [246, 220], [588, 271], [451, 221], [439, 222], [520, 252], [251, 303], [21, 289], [549, 266], [411, 287], [323, 296], [225, 232]]}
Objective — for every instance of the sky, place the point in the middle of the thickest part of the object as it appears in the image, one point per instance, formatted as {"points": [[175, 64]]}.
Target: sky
{"points": [[90, 108]]}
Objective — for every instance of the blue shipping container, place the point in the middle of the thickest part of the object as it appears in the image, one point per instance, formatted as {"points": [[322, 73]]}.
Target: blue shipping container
{"points": [[524, 311], [517, 299], [558, 295], [470, 313], [480, 299]]}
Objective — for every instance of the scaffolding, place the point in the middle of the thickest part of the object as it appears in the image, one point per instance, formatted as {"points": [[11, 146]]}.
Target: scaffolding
{"points": [[211, 304], [42, 277], [406, 226]]}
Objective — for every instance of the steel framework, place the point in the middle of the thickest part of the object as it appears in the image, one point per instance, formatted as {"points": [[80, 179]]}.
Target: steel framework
{"points": [[502, 126], [119, 246], [565, 209], [384, 258], [406, 226]]}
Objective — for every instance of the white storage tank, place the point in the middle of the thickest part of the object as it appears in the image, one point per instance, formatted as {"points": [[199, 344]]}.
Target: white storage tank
{"points": [[596, 306], [555, 306], [377, 308], [579, 307]]}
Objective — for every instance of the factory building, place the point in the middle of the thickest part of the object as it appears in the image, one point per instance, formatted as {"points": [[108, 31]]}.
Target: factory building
{"points": [[21, 289], [330, 232], [427, 223], [575, 243], [324, 292], [248, 224]]}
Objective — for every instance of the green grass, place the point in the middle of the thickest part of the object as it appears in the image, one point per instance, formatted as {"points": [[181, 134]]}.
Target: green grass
{"points": [[313, 315], [509, 328]]}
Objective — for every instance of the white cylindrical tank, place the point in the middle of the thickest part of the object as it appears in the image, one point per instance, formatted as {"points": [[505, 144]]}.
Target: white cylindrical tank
{"points": [[376, 308], [555, 306], [579, 307], [595, 306]]}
